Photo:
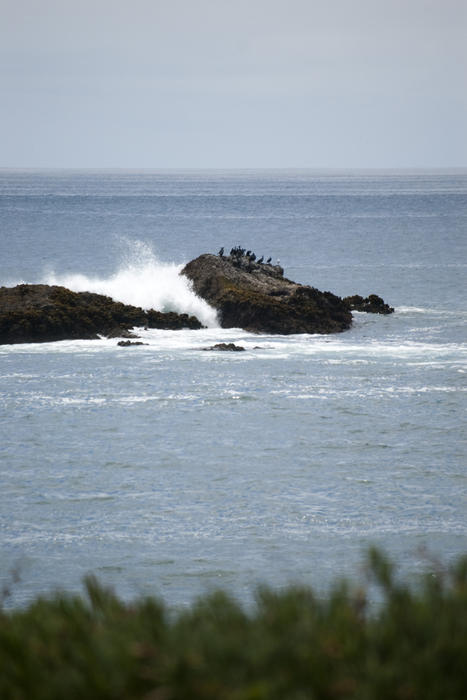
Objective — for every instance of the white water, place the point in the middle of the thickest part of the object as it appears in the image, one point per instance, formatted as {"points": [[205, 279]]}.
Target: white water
{"points": [[143, 280]]}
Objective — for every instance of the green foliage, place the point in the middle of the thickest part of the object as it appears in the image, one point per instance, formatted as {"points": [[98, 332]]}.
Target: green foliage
{"points": [[291, 645]]}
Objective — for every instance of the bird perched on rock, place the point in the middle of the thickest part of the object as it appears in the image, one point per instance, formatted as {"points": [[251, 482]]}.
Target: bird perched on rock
{"points": [[261, 260], [221, 253], [268, 261]]}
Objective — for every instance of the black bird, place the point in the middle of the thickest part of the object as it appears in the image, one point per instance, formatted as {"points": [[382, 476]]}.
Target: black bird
{"points": [[252, 257], [261, 260], [268, 261], [221, 253]]}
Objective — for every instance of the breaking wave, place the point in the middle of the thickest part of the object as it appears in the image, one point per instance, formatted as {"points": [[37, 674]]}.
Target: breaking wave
{"points": [[143, 280]]}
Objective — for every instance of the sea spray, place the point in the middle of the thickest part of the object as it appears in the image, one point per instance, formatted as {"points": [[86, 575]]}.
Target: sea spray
{"points": [[143, 280]]}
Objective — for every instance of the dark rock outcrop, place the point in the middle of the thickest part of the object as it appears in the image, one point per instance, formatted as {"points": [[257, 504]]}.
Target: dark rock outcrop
{"points": [[372, 304], [226, 347], [32, 313], [258, 298], [127, 343], [119, 333]]}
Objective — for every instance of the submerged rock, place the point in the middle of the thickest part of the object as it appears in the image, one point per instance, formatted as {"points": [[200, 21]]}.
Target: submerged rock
{"points": [[258, 298], [127, 343], [226, 347], [372, 304], [119, 333], [32, 313]]}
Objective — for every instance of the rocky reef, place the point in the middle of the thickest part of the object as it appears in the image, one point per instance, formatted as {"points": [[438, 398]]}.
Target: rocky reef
{"points": [[256, 296], [226, 347], [246, 292], [31, 313], [129, 343], [372, 304]]}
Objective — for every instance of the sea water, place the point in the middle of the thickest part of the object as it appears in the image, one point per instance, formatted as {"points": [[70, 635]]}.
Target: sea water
{"points": [[167, 469]]}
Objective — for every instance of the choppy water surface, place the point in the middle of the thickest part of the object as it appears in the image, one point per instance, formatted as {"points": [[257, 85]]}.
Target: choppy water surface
{"points": [[171, 470]]}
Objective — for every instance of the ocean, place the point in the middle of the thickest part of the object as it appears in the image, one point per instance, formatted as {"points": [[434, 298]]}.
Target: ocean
{"points": [[167, 470]]}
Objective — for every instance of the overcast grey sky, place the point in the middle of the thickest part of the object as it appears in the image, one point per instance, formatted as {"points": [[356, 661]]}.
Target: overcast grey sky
{"points": [[233, 83]]}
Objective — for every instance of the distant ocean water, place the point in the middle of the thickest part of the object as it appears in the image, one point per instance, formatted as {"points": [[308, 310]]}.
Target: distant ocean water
{"points": [[167, 470]]}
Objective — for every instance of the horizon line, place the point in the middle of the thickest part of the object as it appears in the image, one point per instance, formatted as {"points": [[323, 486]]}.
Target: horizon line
{"points": [[414, 168]]}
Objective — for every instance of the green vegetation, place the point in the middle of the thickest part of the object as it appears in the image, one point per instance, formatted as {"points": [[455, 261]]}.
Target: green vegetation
{"points": [[291, 645]]}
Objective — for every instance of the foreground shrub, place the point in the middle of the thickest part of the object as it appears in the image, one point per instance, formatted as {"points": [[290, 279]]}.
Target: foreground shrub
{"points": [[291, 645]]}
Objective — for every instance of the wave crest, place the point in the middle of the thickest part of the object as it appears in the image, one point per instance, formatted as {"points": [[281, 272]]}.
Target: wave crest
{"points": [[143, 280]]}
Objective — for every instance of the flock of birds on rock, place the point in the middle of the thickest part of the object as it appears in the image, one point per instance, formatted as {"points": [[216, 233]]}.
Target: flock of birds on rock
{"points": [[237, 253]]}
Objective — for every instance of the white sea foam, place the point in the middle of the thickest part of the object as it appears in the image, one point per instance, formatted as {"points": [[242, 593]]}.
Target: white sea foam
{"points": [[143, 280], [428, 310]]}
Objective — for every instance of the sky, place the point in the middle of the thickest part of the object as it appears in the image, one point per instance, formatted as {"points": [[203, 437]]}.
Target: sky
{"points": [[233, 83]]}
